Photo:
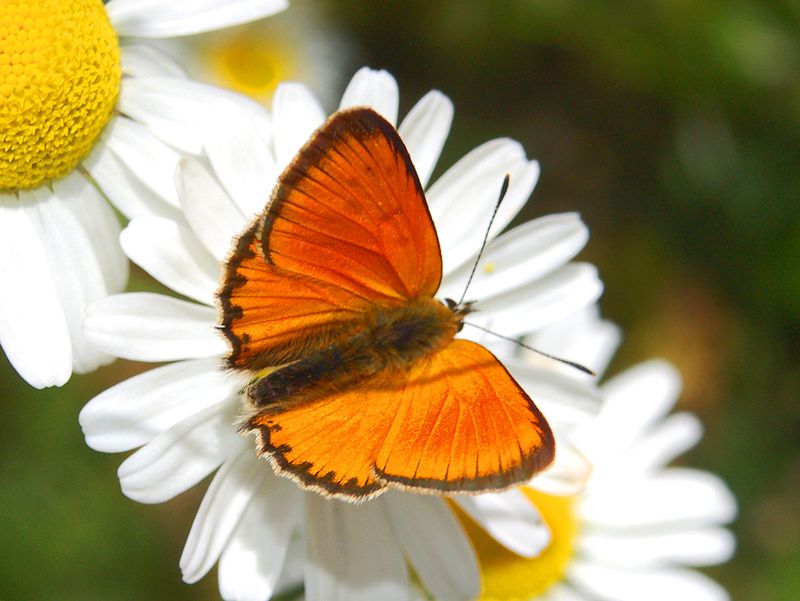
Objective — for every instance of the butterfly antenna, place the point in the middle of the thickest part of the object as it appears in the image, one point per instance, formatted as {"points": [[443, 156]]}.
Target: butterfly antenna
{"points": [[577, 366], [500, 198]]}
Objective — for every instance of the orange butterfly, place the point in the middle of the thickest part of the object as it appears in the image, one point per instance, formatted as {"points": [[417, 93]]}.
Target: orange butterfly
{"points": [[359, 383]]}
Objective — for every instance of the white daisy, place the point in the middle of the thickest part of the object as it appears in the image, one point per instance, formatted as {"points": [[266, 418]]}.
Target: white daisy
{"points": [[73, 92], [183, 415], [638, 525]]}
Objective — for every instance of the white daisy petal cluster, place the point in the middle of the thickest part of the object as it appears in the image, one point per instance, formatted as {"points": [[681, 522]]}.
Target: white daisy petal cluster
{"points": [[89, 115], [638, 526], [183, 415], [641, 521]]}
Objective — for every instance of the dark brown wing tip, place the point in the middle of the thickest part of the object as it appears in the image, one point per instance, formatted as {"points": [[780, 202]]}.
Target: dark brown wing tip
{"points": [[362, 120], [368, 122]]}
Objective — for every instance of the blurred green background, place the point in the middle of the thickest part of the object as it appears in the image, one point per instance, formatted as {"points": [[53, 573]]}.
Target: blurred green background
{"points": [[670, 125]]}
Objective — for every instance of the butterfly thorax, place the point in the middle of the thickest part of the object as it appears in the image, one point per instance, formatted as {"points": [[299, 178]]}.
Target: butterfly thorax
{"points": [[399, 336], [391, 339]]}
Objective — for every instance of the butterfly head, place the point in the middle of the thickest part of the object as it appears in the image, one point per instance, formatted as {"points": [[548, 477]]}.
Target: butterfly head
{"points": [[459, 310]]}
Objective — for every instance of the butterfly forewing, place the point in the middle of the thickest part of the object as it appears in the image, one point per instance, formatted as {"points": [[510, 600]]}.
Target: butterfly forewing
{"points": [[347, 230]]}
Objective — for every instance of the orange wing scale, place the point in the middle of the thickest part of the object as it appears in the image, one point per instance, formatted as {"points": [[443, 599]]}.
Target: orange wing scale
{"points": [[456, 421]]}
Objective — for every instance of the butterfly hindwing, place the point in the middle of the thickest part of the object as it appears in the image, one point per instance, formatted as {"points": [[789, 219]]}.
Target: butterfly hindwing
{"points": [[454, 421], [328, 444], [463, 424]]}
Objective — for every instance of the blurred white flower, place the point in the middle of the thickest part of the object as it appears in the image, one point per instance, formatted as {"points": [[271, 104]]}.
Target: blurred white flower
{"points": [[638, 525], [298, 45]]}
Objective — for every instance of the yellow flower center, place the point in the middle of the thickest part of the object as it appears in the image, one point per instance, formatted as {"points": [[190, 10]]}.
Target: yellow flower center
{"points": [[59, 79], [509, 577], [250, 60]]}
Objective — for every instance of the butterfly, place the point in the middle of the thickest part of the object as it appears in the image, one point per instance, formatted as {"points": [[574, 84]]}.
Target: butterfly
{"points": [[357, 382]]}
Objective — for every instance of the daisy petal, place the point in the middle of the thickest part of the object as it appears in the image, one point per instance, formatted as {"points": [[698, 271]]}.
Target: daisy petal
{"points": [[296, 114], [435, 543], [172, 254], [219, 514], [123, 187], [424, 131], [135, 411], [180, 457], [76, 269], [653, 585], [567, 476], [102, 228], [30, 312], [343, 561], [624, 392], [478, 178], [144, 60], [375, 89], [212, 214], [253, 559], [625, 418], [676, 495], [672, 437], [519, 256], [556, 296], [242, 160], [489, 161], [510, 518], [583, 338], [142, 152], [566, 402], [172, 108], [166, 18], [152, 327], [167, 110], [699, 547], [293, 573]]}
